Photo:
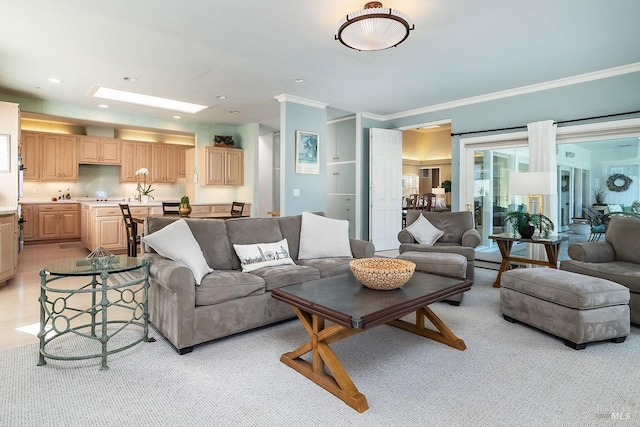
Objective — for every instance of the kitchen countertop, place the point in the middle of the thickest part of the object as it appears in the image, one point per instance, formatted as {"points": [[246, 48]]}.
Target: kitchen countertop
{"points": [[112, 203], [8, 210]]}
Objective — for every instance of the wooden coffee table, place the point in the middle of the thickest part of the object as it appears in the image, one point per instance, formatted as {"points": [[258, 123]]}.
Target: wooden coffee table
{"points": [[352, 308]]}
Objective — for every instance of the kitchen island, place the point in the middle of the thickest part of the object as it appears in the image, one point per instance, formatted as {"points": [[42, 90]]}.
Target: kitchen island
{"points": [[93, 222]]}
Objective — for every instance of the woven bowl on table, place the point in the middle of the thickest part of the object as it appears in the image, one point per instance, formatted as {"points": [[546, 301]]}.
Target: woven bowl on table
{"points": [[382, 274]]}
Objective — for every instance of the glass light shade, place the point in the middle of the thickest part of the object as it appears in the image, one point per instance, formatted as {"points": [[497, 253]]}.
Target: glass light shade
{"points": [[373, 28]]}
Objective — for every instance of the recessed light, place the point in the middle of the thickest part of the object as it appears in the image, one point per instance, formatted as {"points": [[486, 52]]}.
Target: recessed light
{"points": [[234, 112], [177, 117], [54, 80], [147, 100], [103, 106], [221, 97], [130, 79], [299, 80]]}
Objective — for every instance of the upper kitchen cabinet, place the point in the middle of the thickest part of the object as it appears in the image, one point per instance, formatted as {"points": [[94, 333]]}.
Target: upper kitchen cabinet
{"points": [[341, 141], [135, 155], [222, 166], [163, 163], [102, 151], [58, 158], [181, 166], [30, 151]]}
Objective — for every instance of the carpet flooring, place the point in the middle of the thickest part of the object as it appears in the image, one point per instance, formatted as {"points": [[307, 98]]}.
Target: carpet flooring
{"points": [[510, 375]]}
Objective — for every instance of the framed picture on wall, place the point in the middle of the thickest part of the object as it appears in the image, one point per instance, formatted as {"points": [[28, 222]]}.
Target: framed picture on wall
{"points": [[307, 146]]}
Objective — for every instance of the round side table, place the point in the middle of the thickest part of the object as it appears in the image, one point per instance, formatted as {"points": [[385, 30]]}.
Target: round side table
{"points": [[66, 310]]}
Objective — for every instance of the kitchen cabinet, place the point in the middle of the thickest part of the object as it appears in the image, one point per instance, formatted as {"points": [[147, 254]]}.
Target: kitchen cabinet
{"points": [[222, 166], [104, 226], [8, 246], [341, 141], [343, 207], [135, 155], [58, 221], [94, 150], [58, 158], [30, 151], [30, 225], [163, 163], [341, 172], [181, 166]]}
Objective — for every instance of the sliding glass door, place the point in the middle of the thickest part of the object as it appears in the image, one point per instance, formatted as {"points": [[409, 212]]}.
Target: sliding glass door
{"points": [[589, 157]]}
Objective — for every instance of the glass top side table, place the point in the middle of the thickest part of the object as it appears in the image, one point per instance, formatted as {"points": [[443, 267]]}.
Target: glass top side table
{"points": [[84, 312]]}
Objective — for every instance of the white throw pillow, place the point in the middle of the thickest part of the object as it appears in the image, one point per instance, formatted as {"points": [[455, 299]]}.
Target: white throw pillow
{"points": [[615, 208], [322, 237], [424, 232], [176, 241], [261, 255]]}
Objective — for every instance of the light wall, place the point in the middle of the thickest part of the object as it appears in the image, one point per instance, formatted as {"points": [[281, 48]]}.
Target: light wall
{"points": [[601, 97], [312, 189]]}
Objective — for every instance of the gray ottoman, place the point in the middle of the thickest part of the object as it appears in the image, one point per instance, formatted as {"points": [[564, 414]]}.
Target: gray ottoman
{"points": [[581, 309], [443, 264]]}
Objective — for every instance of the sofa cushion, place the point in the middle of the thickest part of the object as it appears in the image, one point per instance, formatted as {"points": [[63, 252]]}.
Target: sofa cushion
{"points": [[290, 229], [622, 233], [283, 275], [322, 237], [625, 273], [221, 286], [328, 266], [565, 288], [175, 241], [245, 231], [211, 235], [260, 255], [424, 232]]}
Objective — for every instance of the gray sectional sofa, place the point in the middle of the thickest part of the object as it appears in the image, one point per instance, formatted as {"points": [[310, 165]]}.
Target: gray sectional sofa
{"points": [[228, 300]]}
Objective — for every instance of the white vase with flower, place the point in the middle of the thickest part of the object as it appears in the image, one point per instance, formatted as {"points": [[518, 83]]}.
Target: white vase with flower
{"points": [[143, 189]]}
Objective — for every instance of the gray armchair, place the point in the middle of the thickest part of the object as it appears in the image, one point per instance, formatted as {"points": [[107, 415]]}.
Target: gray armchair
{"points": [[460, 236], [617, 258]]}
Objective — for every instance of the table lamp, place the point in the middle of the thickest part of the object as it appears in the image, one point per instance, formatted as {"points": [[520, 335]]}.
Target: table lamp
{"points": [[439, 193], [533, 185]]}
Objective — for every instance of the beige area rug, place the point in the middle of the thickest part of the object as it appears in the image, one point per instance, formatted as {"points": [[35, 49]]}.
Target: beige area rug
{"points": [[510, 375]]}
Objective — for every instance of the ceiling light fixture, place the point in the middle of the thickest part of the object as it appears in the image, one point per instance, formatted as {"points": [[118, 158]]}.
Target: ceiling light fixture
{"points": [[221, 97], [373, 28], [103, 106], [147, 100], [299, 80], [54, 80]]}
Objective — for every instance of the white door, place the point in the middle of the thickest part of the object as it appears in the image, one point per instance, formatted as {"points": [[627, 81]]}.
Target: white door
{"points": [[385, 187]]}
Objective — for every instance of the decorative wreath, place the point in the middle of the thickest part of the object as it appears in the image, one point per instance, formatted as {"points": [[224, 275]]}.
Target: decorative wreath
{"points": [[611, 182]]}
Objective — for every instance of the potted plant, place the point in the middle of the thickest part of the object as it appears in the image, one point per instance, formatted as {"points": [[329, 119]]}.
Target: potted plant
{"points": [[526, 223], [185, 208], [599, 194]]}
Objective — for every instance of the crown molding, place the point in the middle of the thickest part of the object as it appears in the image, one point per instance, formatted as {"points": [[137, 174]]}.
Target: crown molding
{"points": [[298, 100], [568, 81]]}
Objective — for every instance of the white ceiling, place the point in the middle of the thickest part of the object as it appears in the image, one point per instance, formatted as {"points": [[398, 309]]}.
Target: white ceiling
{"points": [[251, 51]]}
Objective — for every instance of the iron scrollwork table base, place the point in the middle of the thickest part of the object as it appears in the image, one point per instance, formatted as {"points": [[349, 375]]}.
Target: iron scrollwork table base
{"points": [[64, 311]]}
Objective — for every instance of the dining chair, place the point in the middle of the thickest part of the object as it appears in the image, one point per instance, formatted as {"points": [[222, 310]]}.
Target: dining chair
{"points": [[236, 208], [429, 201], [133, 240], [170, 208]]}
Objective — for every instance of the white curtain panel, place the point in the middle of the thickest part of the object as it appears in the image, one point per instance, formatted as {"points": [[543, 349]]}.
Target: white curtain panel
{"points": [[542, 158]]}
